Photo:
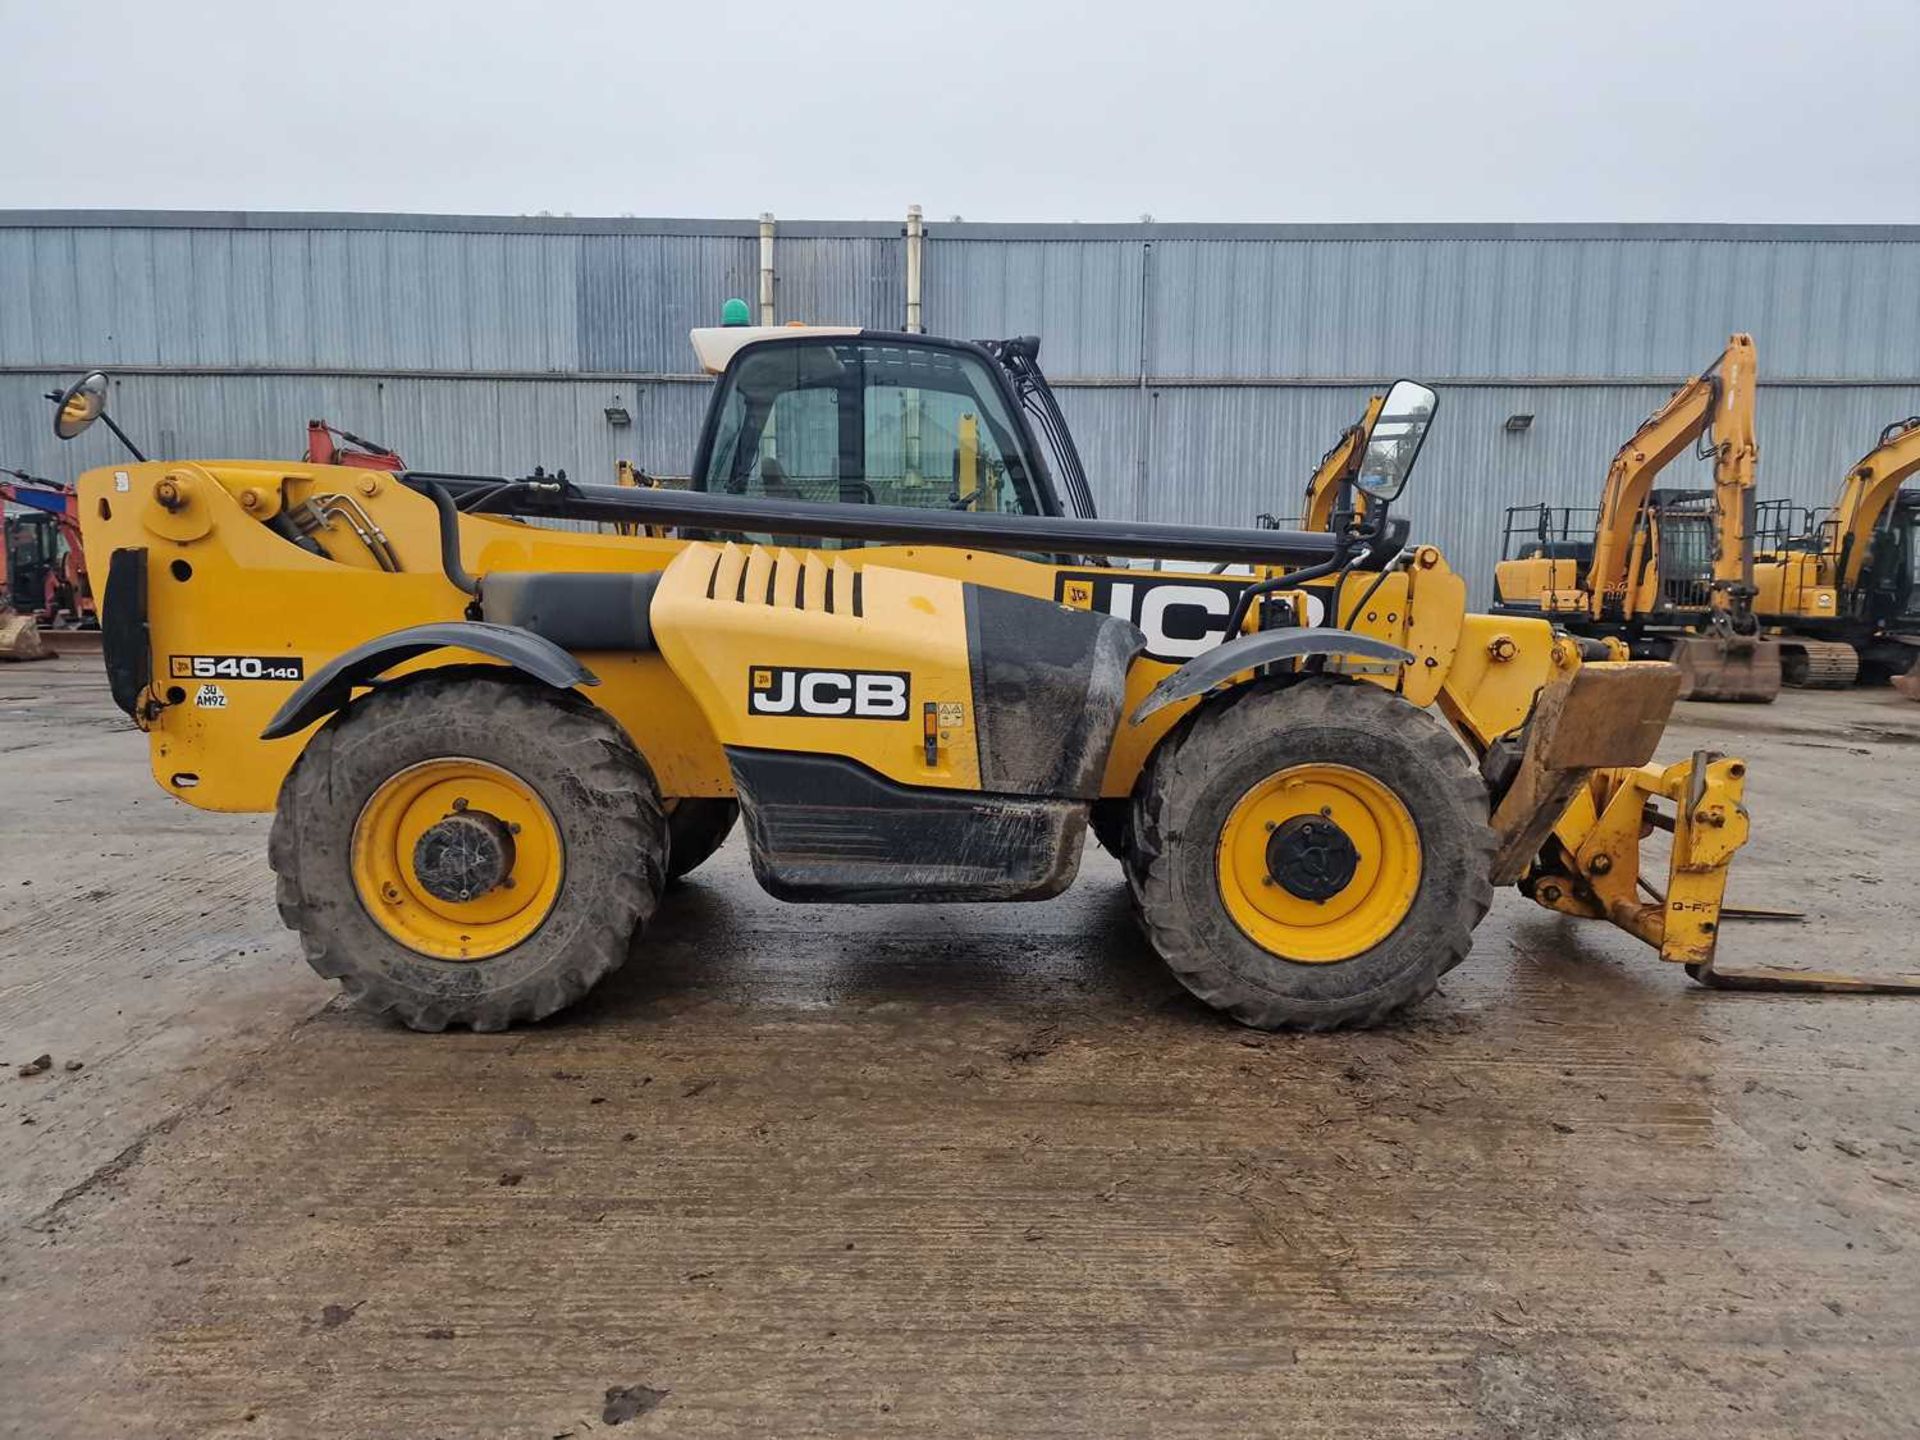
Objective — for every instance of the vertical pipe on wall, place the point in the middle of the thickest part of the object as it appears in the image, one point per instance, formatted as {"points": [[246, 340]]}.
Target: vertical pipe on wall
{"points": [[1144, 397], [766, 268], [916, 240], [912, 408], [769, 441]]}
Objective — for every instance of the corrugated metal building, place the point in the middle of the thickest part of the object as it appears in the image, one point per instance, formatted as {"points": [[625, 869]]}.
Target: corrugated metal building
{"points": [[1205, 368]]}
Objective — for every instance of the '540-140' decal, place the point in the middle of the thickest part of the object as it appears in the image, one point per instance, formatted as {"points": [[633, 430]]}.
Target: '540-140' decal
{"points": [[236, 667]]}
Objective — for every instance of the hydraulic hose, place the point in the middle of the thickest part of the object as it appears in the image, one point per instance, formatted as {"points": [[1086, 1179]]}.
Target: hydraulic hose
{"points": [[450, 565], [1289, 581]]}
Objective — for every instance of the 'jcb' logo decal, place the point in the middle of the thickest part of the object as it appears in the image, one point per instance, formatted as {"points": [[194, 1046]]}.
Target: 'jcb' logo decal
{"points": [[849, 694], [1181, 616]]}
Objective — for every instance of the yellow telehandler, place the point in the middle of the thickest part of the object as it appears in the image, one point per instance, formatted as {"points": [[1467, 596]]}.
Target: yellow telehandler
{"points": [[489, 745], [1667, 572]]}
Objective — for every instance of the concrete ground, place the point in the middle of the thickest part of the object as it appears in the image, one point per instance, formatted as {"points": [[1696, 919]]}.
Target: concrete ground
{"points": [[948, 1171]]}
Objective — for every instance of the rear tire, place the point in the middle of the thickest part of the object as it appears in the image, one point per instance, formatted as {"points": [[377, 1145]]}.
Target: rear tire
{"points": [[1195, 793], [608, 845], [695, 829]]}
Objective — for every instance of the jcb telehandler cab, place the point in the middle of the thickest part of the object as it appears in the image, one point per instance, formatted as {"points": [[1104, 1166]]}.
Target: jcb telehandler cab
{"points": [[489, 745]]}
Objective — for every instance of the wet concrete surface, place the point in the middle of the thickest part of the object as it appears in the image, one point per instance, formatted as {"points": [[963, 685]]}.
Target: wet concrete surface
{"points": [[948, 1170]]}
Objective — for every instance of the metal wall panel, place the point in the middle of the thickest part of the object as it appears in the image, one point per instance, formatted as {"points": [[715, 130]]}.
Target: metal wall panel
{"points": [[837, 280], [1243, 302], [638, 295], [1526, 308], [367, 300], [1083, 298]]}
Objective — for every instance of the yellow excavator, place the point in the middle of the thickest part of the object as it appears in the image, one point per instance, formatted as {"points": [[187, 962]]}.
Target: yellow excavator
{"points": [[1668, 572], [1843, 588]]}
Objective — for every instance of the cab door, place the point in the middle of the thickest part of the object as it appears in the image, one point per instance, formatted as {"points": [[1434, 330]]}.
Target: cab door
{"points": [[871, 419]]}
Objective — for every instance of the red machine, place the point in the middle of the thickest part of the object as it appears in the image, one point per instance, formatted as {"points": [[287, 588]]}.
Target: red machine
{"points": [[329, 445], [43, 570]]}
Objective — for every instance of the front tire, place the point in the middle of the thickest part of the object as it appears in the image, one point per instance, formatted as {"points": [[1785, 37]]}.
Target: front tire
{"points": [[460, 849], [1311, 856]]}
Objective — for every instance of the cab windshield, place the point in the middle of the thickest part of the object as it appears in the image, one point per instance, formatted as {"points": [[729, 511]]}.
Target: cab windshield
{"points": [[867, 422]]}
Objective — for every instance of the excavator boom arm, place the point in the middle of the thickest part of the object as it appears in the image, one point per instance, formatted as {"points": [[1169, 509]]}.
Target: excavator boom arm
{"points": [[1719, 401], [1338, 464]]}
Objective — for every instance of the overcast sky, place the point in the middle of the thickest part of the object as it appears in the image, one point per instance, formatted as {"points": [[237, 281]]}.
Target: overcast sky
{"points": [[1497, 110]]}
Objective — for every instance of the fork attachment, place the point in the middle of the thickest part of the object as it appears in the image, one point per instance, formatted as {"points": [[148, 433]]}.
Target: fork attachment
{"points": [[1590, 866]]}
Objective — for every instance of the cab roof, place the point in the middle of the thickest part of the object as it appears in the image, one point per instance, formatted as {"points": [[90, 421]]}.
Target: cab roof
{"points": [[716, 345]]}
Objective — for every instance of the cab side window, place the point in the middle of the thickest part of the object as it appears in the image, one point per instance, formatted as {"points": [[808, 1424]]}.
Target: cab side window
{"points": [[868, 423]]}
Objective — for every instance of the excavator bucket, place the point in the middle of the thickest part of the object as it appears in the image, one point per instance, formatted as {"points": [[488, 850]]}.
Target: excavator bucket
{"points": [[20, 638], [1713, 667]]}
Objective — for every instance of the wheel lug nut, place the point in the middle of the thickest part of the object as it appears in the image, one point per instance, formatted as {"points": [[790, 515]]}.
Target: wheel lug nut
{"points": [[460, 803]]}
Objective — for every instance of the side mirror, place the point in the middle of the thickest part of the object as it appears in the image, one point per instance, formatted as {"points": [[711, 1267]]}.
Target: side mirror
{"points": [[1395, 440], [79, 405]]}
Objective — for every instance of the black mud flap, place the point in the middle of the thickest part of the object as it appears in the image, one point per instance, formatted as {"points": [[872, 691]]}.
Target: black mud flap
{"points": [[822, 827], [126, 643]]}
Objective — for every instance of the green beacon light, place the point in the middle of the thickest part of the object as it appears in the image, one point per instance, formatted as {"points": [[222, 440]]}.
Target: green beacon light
{"points": [[735, 312]]}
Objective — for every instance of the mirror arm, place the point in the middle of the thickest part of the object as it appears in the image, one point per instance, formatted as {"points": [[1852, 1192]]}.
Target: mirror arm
{"points": [[121, 435]]}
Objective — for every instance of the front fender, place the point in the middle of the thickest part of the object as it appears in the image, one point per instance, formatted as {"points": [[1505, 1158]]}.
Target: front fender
{"points": [[330, 687], [1263, 647]]}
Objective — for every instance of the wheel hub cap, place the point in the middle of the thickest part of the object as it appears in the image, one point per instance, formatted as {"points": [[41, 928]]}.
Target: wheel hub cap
{"points": [[1312, 857], [463, 856]]}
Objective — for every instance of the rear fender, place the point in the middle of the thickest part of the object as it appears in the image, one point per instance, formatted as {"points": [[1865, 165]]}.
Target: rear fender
{"points": [[329, 688]]}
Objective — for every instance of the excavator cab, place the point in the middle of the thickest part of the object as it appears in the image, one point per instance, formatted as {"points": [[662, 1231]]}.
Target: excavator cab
{"points": [[1681, 526], [1891, 592]]}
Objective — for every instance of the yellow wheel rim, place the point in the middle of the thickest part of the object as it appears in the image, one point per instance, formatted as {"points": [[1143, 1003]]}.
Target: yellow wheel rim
{"points": [[1347, 857], [510, 899]]}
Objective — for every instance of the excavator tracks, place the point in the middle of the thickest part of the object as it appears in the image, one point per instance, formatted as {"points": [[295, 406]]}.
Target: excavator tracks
{"points": [[1818, 664]]}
